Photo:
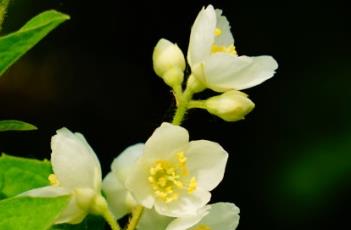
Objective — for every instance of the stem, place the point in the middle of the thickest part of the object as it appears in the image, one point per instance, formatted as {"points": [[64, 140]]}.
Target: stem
{"points": [[136, 215], [182, 106], [197, 104], [177, 91], [111, 220]]}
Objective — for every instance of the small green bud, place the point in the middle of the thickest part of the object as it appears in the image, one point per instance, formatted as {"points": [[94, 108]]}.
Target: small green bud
{"points": [[168, 62], [230, 106]]}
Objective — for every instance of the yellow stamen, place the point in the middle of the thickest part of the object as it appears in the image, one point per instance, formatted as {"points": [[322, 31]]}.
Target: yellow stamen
{"points": [[182, 163], [217, 32], [224, 49], [192, 185], [168, 178], [53, 180], [202, 227]]}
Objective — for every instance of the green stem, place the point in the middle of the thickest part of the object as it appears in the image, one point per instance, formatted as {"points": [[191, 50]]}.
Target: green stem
{"points": [[111, 220], [182, 106], [178, 92], [136, 215], [197, 104]]}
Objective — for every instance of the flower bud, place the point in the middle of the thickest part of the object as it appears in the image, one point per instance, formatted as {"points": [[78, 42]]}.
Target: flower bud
{"points": [[230, 106], [168, 57]]}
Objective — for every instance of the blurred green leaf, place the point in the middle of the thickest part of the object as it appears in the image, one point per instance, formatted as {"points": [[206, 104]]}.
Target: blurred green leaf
{"points": [[91, 222], [3, 6], [14, 125], [14, 45], [30, 213], [19, 174]]}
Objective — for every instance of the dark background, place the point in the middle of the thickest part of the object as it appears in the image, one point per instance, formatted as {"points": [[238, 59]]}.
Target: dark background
{"points": [[290, 160]]}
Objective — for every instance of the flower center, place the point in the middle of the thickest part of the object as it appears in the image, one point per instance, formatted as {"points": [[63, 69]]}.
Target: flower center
{"points": [[202, 227], [53, 180], [168, 179]]}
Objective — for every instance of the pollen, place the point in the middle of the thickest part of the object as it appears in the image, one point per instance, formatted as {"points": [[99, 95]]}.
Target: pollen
{"points": [[217, 32], [202, 227], [230, 49], [169, 178], [192, 185], [53, 180]]}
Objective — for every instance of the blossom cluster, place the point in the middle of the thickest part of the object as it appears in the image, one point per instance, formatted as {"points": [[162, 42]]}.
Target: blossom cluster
{"points": [[166, 182]]}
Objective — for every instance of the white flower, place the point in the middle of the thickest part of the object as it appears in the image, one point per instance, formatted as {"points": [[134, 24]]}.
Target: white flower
{"points": [[174, 175], [77, 173], [118, 197], [223, 216], [214, 60]]}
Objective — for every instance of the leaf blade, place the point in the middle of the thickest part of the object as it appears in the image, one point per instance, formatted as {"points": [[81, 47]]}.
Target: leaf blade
{"points": [[16, 44], [30, 213], [19, 174], [15, 125]]}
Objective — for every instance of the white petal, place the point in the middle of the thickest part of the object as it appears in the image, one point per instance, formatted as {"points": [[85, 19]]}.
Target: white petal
{"points": [[226, 37], [150, 220], [166, 140], [74, 162], [47, 191], [206, 161], [202, 36], [183, 223], [118, 197], [186, 204], [224, 72], [137, 183], [126, 161], [224, 216], [72, 214]]}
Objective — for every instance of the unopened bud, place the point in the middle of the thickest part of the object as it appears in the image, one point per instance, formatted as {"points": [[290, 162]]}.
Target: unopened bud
{"points": [[168, 62], [230, 106]]}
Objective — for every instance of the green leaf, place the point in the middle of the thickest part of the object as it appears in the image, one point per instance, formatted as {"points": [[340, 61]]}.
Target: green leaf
{"points": [[3, 6], [29, 213], [14, 45], [91, 222], [19, 174], [14, 125]]}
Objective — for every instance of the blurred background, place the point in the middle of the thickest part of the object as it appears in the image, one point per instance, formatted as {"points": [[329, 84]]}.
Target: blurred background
{"points": [[290, 159]]}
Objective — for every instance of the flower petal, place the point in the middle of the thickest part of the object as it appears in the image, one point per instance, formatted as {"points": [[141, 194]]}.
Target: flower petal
{"points": [[222, 215], [74, 162], [226, 37], [72, 214], [224, 72], [165, 142], [47, 191], [137, 183], [150, 220], [202, 36], [118, 197], [187, 204], [126, 161], [206, 161], [183, 223]]}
